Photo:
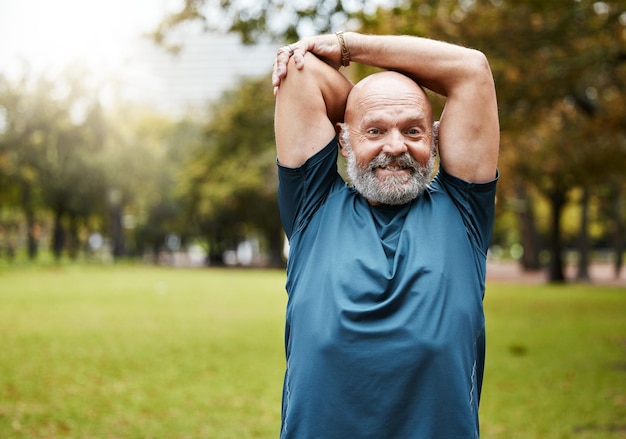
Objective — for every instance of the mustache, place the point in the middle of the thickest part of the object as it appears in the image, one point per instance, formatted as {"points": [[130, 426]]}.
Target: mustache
{"points": [[383, 160]]}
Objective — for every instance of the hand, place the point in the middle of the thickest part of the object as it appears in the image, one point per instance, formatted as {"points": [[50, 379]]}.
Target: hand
{"points": [[326, 47], [279, 72]]}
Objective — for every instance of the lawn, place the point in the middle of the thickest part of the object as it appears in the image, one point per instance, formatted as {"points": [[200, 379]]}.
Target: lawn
{"points": [[556, 362], [146, 352]]}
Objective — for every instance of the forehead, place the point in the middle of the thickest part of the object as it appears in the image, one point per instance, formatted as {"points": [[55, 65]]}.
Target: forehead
{"points": [[387, 98], [392, 111]]}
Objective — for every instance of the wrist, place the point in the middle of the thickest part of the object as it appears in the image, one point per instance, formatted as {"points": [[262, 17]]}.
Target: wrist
{"points": [[343, 48]]}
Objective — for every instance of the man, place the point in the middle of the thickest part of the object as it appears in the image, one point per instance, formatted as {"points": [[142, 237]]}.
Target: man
{"points": [[385, 327]]}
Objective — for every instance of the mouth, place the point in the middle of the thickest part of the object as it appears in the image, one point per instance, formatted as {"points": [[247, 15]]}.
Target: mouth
{"points": [[395, 168], [385, 166], [392, 170]]}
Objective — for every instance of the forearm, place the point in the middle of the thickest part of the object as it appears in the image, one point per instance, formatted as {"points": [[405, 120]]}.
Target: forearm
{"points": [[310, 101], [469, 128], [436, 65]]}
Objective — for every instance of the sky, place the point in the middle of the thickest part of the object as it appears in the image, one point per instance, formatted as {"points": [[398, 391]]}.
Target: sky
{"points": [[106, 36], [55, 32]]}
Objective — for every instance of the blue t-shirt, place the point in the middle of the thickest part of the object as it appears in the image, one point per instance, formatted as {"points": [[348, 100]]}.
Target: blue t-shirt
{"points": [[385, 333]]}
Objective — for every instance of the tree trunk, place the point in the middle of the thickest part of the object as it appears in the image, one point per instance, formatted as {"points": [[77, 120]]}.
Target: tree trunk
{"points": [[118, 245], [32, 237], [73, 243], [618, 231], [583, 239], [276, 241], [556, 273], [528, 232], [58, 235]]}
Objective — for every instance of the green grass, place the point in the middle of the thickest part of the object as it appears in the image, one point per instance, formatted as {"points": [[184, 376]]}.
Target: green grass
{"points": [[140, 353], [145, 352], [556, 362]]}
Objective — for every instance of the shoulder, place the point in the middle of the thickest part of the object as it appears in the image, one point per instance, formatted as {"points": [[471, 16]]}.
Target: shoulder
{"points": [[309, 102], [444, 181], [303, 189]]}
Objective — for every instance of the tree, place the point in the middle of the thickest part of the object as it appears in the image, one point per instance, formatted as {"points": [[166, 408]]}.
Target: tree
{"points": [[19, 152], [276, 19], [559, 70], [230, 180], [143, 161], [49, 153], [556, 134], [67, 161], [72, 178]]}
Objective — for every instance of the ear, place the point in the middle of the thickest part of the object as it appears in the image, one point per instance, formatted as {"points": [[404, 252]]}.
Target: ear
{"points": [[339, 127], [435, 136]]}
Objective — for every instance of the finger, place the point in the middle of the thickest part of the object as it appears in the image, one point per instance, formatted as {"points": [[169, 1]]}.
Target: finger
{"points": [[281, 61], [284, 53], [278, 71], [298, 57], [299, 51], [282, 57], [275, 77]]}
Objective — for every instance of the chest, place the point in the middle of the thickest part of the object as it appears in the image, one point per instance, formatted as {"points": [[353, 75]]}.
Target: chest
{"points": [[386, 271]]}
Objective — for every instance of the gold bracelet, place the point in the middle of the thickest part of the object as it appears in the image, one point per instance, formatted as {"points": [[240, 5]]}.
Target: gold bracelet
{"points": [[345, 52]]}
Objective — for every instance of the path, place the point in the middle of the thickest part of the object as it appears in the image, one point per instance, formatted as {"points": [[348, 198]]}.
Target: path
{"points": [[601, 274]]}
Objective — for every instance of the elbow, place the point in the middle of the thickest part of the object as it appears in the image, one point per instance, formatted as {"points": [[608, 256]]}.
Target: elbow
{"points": [[479, 59], [477, 64]]}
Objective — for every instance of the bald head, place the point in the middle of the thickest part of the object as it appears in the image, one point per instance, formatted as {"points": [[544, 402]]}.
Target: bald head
{"points": [[386, 89]]}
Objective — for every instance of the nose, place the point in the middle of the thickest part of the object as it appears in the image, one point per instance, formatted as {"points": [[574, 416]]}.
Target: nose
{"points": [[394, 143]]}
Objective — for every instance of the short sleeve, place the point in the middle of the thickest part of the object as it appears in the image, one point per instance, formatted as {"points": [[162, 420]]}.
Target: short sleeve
{"points": [[475, 202], [303, 189]]}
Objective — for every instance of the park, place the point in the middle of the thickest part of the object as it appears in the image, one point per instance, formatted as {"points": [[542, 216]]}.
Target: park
{"points": [[142, 259], [138, 351], [80, 173]]}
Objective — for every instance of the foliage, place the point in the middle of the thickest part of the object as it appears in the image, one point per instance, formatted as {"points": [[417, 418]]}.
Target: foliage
{"points": [[154, 352], [135, 176], [277, 19], [51, 145], [555, 138], [230, 180], [560, 70], [138, 177], [92, 170], [144, 163]]}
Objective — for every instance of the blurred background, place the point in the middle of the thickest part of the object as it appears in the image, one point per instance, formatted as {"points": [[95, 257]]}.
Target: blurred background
{"points": [[144, 129]]}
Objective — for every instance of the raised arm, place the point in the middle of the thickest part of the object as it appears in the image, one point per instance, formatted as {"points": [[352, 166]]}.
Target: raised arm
{"points": [[309, 102], [469, 133]]}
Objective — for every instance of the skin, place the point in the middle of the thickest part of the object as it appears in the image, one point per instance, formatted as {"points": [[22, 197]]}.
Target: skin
{"points": [[387, 112], [312, 97], [309, 102]]}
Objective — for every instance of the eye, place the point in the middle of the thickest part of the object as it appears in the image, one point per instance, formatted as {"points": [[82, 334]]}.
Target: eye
{"points": [[413, 132], [373, 131]]}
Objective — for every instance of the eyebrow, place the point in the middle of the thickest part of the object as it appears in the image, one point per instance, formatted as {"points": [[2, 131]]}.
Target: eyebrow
{"points": [[375, 120]]}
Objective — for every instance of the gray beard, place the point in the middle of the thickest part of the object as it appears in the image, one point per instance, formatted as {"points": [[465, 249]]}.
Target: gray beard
{"points": [[394, 190]]}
